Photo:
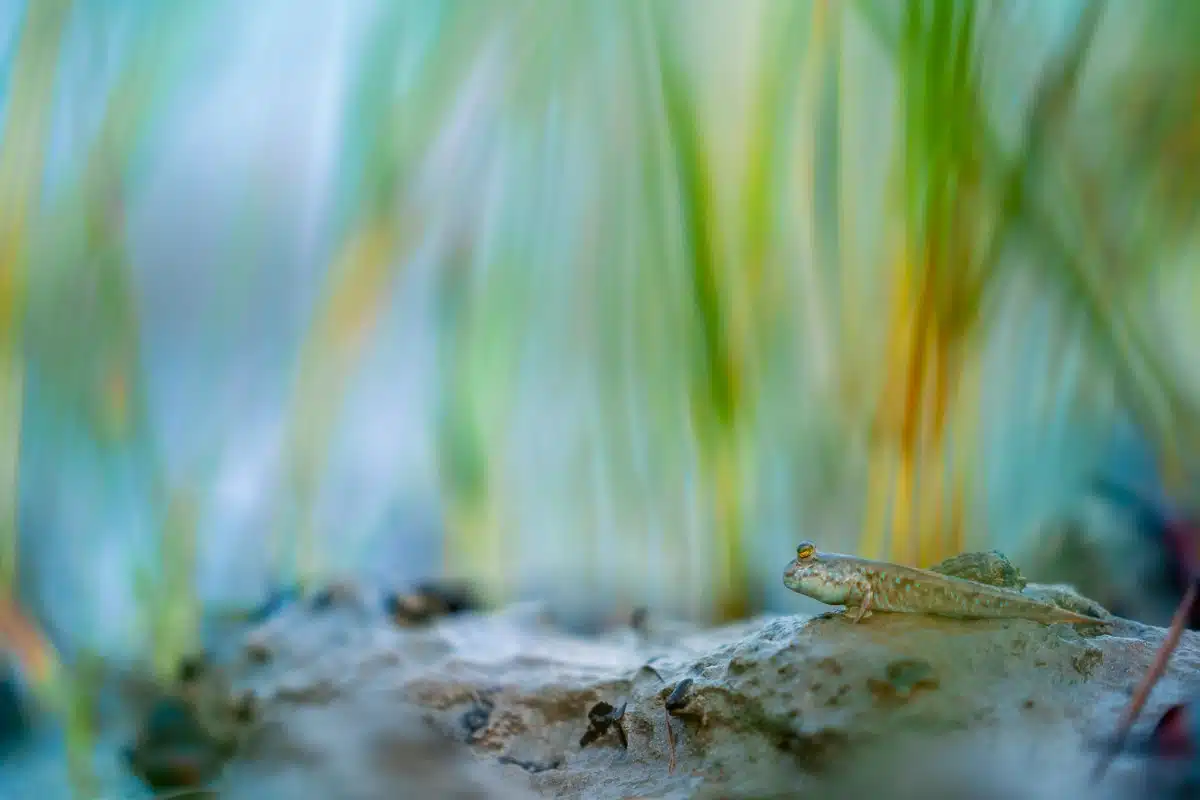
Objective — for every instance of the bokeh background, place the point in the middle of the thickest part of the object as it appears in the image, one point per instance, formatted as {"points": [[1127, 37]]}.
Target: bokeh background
{"points": [[603, 302]]}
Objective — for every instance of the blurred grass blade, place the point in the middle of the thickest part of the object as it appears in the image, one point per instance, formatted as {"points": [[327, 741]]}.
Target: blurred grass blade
{"points": [[22, 153], [365, 267], [716, 391]]}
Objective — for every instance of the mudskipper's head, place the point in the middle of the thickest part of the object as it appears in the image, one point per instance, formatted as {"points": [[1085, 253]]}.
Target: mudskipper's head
{"points": [[809, 575]]}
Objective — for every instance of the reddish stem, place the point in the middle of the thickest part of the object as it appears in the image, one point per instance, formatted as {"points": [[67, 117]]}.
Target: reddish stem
{"points": [[1142, 693]]}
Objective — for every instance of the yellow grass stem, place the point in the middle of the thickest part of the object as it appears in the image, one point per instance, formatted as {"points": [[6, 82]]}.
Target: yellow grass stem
{"points": [[358, 293]]}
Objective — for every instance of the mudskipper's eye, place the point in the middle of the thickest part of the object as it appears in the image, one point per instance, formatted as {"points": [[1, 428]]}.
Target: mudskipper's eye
{"points": [[805, 551]]}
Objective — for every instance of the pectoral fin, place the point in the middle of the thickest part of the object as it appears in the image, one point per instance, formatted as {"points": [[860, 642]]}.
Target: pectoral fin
{"points": [[863, 610]]}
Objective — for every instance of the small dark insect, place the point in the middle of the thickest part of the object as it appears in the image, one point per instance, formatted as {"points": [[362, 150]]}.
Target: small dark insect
{"points": [[601, 717], [676, 701], [679, 695]]}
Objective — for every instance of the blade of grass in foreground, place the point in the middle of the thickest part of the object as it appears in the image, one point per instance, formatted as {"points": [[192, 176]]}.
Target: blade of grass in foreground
{"points": [[1143, 382], [953, 300], [935, 304], [659, 311], [22, 154], [716, 396], [384, 137]]}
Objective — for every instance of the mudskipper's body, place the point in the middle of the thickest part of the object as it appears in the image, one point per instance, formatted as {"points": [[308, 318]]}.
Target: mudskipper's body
{"points": [[863, 586]]}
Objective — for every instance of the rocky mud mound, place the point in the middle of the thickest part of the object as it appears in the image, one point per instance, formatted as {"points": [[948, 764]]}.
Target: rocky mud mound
{"points": [[350, 704], [363, 699]]}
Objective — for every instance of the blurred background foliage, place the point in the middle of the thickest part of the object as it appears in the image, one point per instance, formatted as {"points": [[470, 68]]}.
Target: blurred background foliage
{"points": [[591, 301]]}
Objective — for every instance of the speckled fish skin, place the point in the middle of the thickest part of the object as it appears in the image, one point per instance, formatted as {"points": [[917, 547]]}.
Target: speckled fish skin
{"points": [[837, 579]]}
